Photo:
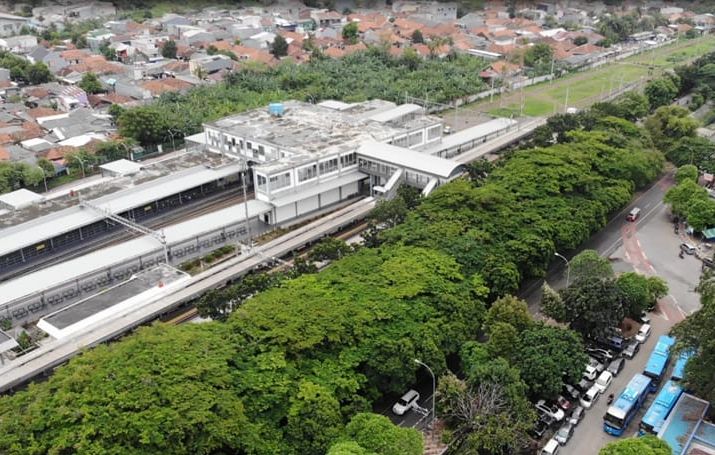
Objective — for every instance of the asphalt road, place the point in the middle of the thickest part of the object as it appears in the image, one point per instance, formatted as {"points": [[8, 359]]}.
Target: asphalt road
{"points": [[649, 247]]}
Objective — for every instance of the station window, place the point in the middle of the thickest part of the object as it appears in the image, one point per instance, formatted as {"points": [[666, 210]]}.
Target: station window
{"points": [[307, 173], [261, 150], [415, 139], [433, 132], [261, 181], [348, 160], [280, 181], [326, 167]]}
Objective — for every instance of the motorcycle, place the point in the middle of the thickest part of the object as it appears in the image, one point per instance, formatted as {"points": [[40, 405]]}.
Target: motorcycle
{"points": [[610, 399]]}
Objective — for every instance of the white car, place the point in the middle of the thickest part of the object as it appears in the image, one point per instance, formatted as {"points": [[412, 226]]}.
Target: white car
{"points": [[643, 333], [590, 397], [603, 381], [551, 448], [590, 373], [550, 410], [407, 402]]}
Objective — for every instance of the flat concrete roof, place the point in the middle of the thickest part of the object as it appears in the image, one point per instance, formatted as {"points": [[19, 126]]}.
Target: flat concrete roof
{"points": [[53, 276], [122, 167], [6, 342], [306, 132], [19, 199], [409, 159], [90, 306], [68, 220]]}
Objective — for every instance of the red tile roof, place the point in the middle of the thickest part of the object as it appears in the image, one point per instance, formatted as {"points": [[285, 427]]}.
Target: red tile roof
{"points": [[4, 154], [41, 112]]}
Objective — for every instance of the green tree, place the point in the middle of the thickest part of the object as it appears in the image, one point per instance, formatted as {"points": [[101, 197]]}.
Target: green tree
{"points": [[645, 445], [146, 124], [633, 105], [351, 32], [314, 419], [32, 175], [686, 172], [640, 292], [47, 167], [548, 356], [589, 264], [503, 340], [681, 197], [552, 304], [660, 92], [218, 304], [593, 305], [374, 434], [169, 49], [538, 55], [38, 73], [108, 52], [697, 334], [580, 40], [90, 83], [669, 124], [279, 47], [510, 310], [329, 249], [417, 37]]}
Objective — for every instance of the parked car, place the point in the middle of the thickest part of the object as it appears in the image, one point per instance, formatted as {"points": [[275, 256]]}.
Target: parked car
{"points": [[603, 381], [590, 373], [539, 428], [643, 318], [406, 402], [550, 410], [551, 448], [571, 392], [688, 248], [583, 385], [614, 342], [602, 355], [643, 333], [616, 366], [631, 350], [563, 402], [564, 434], [590, 397], [577, 415]]}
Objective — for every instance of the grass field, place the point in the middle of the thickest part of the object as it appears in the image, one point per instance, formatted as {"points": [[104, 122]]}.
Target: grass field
{"points": [[585, 88]]}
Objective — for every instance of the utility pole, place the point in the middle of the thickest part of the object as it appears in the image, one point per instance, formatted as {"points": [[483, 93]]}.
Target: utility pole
{"points": [[566, 101], [551, 81], [245, 200], [491, 94]]}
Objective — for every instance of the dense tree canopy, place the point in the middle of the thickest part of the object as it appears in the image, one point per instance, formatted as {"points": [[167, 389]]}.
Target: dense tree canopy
{"points": [[357, 77], [697, 333], [645, 445]]}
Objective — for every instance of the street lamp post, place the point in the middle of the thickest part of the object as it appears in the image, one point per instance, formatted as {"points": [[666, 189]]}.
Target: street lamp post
{"points": [[434, 389], [44, 177], [173, 146], [81, 163], [568, 267]]}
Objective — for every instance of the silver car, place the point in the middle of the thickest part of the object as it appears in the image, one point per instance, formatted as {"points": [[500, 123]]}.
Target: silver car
{"points": [[577, 415], [564, 433]]}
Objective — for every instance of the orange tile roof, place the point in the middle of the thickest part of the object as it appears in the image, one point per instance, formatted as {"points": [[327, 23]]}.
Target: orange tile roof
{"points": [[75, 54], [58, 153], [159, 86], [41, 112], [334, 52], [248, 53], [504, 67], [6, 139], [4, 154], [351, 49]]}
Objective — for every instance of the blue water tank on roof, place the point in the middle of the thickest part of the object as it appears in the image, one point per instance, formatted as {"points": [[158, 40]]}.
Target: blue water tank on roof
{"points": [[276, 109]]}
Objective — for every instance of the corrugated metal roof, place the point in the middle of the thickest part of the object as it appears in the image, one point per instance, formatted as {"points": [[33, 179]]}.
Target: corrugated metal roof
{"points": [[470, 134], [55, 275], [39, 229]]}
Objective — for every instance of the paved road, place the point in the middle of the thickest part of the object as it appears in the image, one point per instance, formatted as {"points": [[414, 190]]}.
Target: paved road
{"points": [[649, 247]]}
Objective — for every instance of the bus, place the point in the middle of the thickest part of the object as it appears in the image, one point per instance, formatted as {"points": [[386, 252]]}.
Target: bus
{"points": [[626, 406], [658, 361], [660, 409], [679, 369]]}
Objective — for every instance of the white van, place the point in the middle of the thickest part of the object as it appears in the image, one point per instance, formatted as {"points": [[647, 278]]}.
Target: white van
{"points": [[551, 448]]}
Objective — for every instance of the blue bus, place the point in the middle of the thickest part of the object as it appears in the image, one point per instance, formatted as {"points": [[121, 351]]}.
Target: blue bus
{"points": [[679, 369], [658, 361], [626, 406], [661, 407]]}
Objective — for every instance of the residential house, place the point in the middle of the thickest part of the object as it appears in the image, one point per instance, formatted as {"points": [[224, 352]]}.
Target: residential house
{"points": [[21, 44], [210, 64], [96, 38], [262, 40], [325, 18], [11, 25], [170, 22], [436, 11]]}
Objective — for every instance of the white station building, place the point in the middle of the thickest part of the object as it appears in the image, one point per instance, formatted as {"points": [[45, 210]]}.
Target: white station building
{"points": [[305, 157]]}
